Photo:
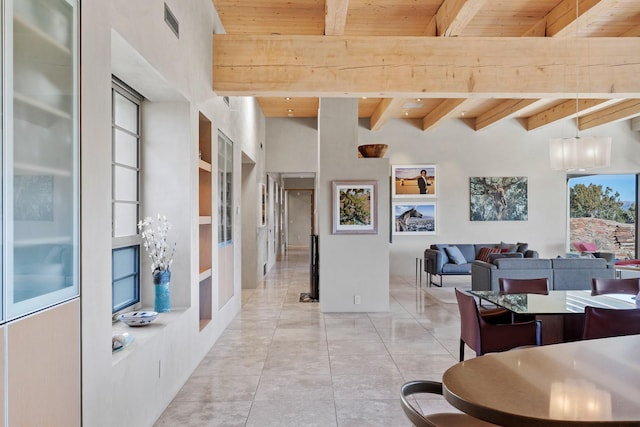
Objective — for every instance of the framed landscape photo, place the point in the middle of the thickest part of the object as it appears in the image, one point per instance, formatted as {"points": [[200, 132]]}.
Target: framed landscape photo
{"points": [[499, 198], [354, 205], [414, 218], [413, 181]]}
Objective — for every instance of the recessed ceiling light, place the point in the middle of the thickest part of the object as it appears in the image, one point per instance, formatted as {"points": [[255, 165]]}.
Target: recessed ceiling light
{"points": [[288, 98], [364, 97], [406, 113], [290, 110], [418, 99], [463, 113]]}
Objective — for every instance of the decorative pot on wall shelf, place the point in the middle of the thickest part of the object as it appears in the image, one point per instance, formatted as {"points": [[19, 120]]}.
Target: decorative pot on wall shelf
{"points": [[372, 150]]}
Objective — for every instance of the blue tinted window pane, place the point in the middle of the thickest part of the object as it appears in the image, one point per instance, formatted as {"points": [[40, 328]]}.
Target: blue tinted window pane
{"points": [[124, 293], [126, 277], [125, 262]]}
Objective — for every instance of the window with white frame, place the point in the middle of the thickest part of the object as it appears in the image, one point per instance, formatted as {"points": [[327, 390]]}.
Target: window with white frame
{"points": [[125, 196], [225, 182]]}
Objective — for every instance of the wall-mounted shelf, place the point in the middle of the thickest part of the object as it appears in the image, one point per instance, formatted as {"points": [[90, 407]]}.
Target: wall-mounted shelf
{"points": [[37, 112], [205, 231]]}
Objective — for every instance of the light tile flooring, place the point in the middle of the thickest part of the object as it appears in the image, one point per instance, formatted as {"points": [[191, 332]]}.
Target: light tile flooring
{"points": [[284, 363]]}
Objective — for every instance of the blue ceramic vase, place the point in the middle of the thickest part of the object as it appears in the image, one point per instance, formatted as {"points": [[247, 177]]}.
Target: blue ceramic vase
{"points": [[161, 281]]}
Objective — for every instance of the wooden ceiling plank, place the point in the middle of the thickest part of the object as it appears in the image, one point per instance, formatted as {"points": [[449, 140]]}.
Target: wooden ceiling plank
{"points": [[453, 16], [436, 67], [621, 111], [335, 17], [562, 111], [561, 21], [445, 110], [386, 110], [501, 111]]}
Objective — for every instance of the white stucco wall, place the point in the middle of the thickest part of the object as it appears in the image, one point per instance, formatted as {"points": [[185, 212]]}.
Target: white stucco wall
{"points": [[504, 149], [132, 41]]}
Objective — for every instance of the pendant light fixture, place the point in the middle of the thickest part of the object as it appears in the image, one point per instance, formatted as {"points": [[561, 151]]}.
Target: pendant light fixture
{"points": [[579, 153]]}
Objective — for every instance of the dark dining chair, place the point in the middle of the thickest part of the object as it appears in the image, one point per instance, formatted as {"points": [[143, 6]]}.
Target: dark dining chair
{"points": [[524, 286], [601, 286], [609, 322], [484, 337], [452, 419]]}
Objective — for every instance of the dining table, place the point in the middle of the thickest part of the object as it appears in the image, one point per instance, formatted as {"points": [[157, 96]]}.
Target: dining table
{"points": [[561, 312], [582, 383]]}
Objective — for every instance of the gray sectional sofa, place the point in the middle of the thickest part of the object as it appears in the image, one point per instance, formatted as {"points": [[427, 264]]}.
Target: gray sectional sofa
{"points": [[563, 273], [438, 263]]}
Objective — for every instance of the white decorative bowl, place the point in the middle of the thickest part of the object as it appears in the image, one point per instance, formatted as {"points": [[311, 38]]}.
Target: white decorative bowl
{"points": [[138, 318], [120, 341]]}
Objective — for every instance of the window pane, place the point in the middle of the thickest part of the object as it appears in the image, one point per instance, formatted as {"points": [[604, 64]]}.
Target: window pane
{"points": [[125, 149], [125, 219], [125, 184], [603, 213], [124, 293], [126, 113], [124, 262], [126, 283]]}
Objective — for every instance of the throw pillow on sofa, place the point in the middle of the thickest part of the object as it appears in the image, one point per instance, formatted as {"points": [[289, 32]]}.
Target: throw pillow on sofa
{"points": [[484, 254], [510, 247], [455, 256]]}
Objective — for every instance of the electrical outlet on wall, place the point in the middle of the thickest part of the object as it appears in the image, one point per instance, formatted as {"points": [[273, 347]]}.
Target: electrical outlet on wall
{"points": [[356, 299]]}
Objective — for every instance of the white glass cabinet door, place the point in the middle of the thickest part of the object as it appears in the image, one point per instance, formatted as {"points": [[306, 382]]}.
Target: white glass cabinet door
{"points": [[43, 209]]}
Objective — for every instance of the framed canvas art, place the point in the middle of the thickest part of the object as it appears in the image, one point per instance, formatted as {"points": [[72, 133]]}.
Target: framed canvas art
{"points": [[499, 198], [413, 181], [354, 207], [413, 218]]}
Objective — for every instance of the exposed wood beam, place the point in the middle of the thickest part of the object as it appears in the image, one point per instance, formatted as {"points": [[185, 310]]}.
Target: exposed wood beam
{"points": [[539, 29], [501, 111], [385, 111], [335, 17], [431, 29], [621, 111], [437, 67], [634, 32], [561, 111], [561, 21], [444, 111], [454, 15]]}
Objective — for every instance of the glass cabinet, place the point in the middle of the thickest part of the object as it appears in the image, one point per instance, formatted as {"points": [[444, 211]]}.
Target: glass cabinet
{"points": [[40, 172]]}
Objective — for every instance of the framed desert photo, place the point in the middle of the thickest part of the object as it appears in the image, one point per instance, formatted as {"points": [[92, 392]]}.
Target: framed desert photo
{"points": [[413, 218], [413, 181], [354, 207], [499, 198]]}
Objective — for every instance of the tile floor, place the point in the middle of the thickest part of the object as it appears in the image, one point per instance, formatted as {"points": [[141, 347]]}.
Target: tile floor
{"points": [[284, 363]]}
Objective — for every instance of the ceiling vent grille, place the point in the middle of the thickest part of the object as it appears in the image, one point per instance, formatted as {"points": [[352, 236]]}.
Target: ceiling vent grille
{"points": [[171, 21]]}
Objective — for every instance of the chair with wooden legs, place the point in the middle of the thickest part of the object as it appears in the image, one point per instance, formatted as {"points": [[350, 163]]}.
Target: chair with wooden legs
{"points": [[484, 337], [408, 390]]}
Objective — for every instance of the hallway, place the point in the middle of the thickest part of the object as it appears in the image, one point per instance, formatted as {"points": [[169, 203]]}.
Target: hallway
{"points": [[284, 363]]}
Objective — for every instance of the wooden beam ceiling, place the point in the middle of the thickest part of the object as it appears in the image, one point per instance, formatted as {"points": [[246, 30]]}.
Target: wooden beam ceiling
{"points": [[372, 53], [423, 66]]}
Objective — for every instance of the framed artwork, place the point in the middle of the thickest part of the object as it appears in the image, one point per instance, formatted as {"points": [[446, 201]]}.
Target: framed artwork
{"points": [[414, 218], [263, 204], [354, 205], [499, 198], [413, 181]]}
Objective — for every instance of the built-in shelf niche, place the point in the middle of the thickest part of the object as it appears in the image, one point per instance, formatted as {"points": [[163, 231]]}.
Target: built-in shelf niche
{"points": [[205, 235]]}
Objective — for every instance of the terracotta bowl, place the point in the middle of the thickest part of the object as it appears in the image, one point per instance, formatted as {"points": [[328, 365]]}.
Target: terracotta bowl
{"points": [[372, 150]]}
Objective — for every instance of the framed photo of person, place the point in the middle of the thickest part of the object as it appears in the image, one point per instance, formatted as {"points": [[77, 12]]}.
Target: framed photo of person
{"points": [[355, 209], [414, 181], [413, 218]]}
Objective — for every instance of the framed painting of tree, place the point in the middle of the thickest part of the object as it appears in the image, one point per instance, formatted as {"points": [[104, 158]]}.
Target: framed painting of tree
{"points": [[355, 207], [499, 198]]}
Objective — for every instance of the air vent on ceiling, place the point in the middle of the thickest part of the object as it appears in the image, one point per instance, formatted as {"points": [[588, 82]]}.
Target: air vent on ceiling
{"points": [[171, 21]]}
